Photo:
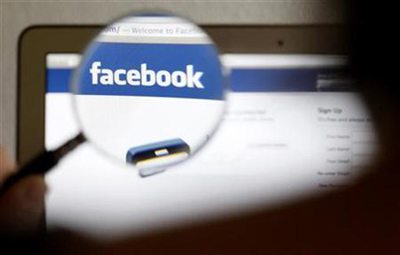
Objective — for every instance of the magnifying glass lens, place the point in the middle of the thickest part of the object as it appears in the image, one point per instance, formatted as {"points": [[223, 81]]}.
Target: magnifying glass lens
{"points": [[150, 91]]}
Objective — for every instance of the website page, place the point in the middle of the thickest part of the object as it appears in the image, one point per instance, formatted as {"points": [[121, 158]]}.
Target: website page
{"points": [[293, 128]]}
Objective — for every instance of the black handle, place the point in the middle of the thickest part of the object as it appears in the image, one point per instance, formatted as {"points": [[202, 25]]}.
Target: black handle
{"points": [[39, 165], [43, 163]]}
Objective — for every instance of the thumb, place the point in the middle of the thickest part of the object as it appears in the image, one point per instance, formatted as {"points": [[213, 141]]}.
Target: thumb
{"points": [[22, 206]]}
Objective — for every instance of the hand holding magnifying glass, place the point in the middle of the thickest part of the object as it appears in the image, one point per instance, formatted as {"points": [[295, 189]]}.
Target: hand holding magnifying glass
{"points": [[149, 92]]}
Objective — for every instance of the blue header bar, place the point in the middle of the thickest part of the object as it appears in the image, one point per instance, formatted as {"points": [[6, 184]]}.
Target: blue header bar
{"points": [[251, 80], [289, 80], [58, 80]]}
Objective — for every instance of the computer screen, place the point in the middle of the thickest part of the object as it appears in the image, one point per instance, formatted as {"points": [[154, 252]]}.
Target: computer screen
{"points": [[294, 127]]}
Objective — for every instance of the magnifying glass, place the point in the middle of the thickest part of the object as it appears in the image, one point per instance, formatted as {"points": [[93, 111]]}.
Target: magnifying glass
{"points": [[149, 92]]}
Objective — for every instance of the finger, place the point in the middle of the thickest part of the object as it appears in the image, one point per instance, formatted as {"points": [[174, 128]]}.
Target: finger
{"points": [[22, 206], [6, 165]]}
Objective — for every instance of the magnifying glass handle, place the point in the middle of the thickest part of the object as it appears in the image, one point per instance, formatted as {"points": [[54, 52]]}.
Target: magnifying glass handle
{"points": [[42, 163]]}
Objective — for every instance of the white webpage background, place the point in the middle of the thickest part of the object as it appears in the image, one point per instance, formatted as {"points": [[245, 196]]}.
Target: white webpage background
{"points": [[117, 123], [271, 148]]}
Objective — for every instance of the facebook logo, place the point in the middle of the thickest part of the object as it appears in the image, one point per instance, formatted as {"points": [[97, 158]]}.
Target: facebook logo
{"points": [[146, 77]]}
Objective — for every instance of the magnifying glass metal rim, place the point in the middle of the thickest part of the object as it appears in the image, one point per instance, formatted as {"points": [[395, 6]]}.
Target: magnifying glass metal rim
{"points": [[88, 48]]}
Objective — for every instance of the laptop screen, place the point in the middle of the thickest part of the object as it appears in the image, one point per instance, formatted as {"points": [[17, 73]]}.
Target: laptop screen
{"points": [[294, 127]]}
